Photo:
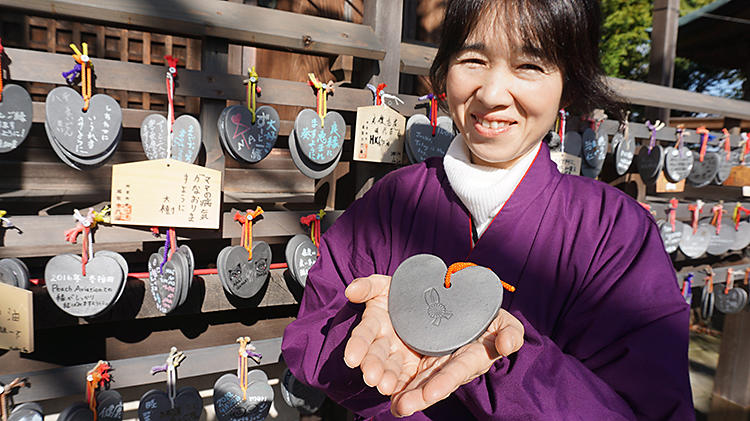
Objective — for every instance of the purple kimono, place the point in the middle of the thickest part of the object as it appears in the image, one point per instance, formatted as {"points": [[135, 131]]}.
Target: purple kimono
{"points": [[606, 326]]}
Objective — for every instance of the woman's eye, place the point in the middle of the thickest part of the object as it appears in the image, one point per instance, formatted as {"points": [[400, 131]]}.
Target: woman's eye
{"points": [[532, 66], [471, 60]]}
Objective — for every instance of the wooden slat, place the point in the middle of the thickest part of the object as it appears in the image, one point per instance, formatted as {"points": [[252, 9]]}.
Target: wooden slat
{"points": [[234, 22], [66, 381], [417, 59], [114, 74], [37, 240]]}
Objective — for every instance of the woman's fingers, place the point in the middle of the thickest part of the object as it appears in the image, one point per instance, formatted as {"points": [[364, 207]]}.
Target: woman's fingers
{"points": [[362, 337], [373, 364], [509, 336], [362, 290]]}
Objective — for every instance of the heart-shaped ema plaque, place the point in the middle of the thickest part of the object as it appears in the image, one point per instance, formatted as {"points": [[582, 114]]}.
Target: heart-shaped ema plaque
{"points": [[242, 277], [594, 148], [704, 172], [168, 282], [720, 243], [307, 167], [677, 163], [695, 244], [650, 163], [14, 272], [249, 142], [301, 255], [28, 411], [732, 302], [155, 406], [320, 143], [229, 404], [306, 399], [421, 144], [725, 168], [109, 405], [434, 320], [573, 143], [671, 238], [79, 295], [186, 137], [624, 151], [78, 411], [742, 236], [83, 134], [16, 113]]}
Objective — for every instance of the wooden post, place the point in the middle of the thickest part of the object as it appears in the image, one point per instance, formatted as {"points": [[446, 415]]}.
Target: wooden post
{"points": [[213, 59], [385, 18], [731, 395], [663, 50]]}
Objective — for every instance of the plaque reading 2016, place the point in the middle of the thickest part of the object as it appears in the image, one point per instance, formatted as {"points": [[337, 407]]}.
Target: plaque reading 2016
{"points": [[166, 193]]}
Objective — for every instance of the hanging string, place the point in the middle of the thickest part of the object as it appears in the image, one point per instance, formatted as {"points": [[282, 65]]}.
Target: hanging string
{"points": [[84, 225], [687, 285], [170, 77], [455, 267], [730, 281], [718, 211], [704, 141], [737, 215], [8, 390], [252, 89], [653, 128], [727, 145], [746, 141], [321, 95], [246, 237], [170, 367], [681, 132], [709, 280], [84, 61], [170, 246], [94, 379], [562, 116], [673, 203], [1, 85], [747, 276], [696, 210], [314, 221]]}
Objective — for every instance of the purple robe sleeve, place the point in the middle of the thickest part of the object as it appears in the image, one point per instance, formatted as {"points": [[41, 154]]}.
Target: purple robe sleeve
{"points": [[617, 352], [313, 345]]}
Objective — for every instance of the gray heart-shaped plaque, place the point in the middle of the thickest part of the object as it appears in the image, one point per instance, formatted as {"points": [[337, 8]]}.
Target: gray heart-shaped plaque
{"points": [[304, 257], [78, 411], [694, 245], [307, 167], [165, 283], [229, 404], [725, 167], [573, 143], [29, 411], [320, 143], [671, 238], [677, 163], [306, 399], [650, 163], [420, 141], [186, 137], [742, 237], [434, 320], [78, 295], [19, 273], [155, 406], [594, 148], [16, 113], [109, 405], [624, 151], [247, 141], [242, 277], [720, 243], [703, 173], [83, 134], [732, 302]]}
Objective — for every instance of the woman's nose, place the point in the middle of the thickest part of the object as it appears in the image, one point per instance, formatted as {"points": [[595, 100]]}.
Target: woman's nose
{"points": [[495, 89]]}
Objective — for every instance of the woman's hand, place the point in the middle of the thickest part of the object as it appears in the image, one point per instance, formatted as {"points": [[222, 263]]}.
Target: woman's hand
{"points": [[416, 381]]}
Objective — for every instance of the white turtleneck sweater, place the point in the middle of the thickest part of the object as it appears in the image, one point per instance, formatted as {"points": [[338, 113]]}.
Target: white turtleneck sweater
{"points": [[483, 190]]}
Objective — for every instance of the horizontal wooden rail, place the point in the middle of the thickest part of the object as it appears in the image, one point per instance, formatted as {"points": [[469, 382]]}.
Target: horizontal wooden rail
{"points": [[115, 74], [130, 372], [43, 235], [235, 22], [417, 59]]}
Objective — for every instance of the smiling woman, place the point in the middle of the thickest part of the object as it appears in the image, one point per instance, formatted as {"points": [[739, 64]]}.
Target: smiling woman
{"points": [[593, 325]]}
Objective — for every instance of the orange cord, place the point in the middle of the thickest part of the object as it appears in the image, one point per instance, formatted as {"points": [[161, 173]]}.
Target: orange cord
{"points": [[463, 265]]}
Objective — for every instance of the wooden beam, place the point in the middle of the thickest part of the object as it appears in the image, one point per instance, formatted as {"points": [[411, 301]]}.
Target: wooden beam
{"points": [[67, 381], [231, 21], [417, 60], [114, 74], [214, 58], [40, 233], [663, 50]]}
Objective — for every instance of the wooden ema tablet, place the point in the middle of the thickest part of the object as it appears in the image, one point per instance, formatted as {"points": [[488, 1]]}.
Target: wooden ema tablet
{"points": [[229, 404], [379, 135], [420, 140], [320, 143], [186, 137], [16, 319], [155, 405], [16, 112], [166, 193], [247, 141]]}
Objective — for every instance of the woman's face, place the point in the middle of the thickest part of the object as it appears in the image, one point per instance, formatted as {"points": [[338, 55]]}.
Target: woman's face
{"points": [[502, 100]]}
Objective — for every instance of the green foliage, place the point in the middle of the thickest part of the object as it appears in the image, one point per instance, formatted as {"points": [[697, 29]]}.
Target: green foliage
{"points": [[625, 49]]}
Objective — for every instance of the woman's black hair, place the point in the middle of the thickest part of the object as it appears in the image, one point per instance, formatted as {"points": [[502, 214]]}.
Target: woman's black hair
{"points": [[564, 33]]}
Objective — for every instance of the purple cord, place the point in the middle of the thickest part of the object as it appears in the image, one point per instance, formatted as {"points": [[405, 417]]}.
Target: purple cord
{"points": [[73, 73], [426, 97], [166, 253]]}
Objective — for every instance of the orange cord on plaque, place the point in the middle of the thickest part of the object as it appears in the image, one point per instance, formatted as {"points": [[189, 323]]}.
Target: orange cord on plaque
{"points": [[246, 238], [463, 265], [8, 389], [718, 211], [704, 141], [94, 379], [313, 221], [85, 61], [1, 75], [323, 90]]}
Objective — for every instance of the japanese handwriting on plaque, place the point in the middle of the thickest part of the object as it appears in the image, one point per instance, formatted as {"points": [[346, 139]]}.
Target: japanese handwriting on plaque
{"points": [[166, 192], [566, 163], [16, 319], [379, 135]]}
